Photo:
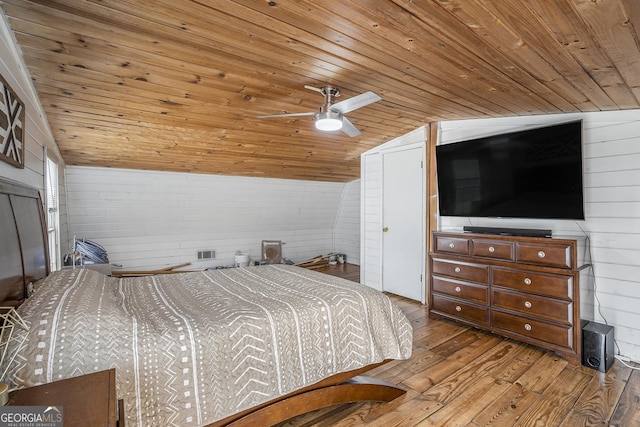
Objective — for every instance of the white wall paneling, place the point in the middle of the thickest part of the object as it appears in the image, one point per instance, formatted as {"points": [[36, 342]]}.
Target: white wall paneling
{"points": [[612, 211], [149, 220], [371, 220], [346, 232]]}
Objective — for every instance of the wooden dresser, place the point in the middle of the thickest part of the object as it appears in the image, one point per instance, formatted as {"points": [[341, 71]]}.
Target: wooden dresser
{"points": [[526, 288]]}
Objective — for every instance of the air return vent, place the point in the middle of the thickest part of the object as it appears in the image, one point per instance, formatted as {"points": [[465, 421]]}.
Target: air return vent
{"points": [[209, 254]]}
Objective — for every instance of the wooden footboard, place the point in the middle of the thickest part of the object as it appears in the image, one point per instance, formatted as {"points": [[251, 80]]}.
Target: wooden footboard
{"points": [[342, 388]]}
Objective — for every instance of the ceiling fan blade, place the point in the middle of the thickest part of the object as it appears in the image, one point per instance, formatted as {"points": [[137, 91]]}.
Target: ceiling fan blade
{"points": [[317, 89], [356, 102], [349, 128], [309, 113]]}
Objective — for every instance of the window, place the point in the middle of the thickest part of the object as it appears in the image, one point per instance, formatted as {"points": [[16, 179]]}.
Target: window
{"points": [[53, 214]]}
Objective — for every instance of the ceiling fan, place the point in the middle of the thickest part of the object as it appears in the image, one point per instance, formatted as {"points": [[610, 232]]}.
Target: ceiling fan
{"points": [[331, 115]]}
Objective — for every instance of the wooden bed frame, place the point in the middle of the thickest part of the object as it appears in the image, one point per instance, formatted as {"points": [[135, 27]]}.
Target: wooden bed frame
{"points": [[347, 387], [24, 259]]}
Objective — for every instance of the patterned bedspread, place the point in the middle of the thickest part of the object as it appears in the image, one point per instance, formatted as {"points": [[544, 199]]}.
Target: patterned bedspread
{"points": [[192, 348]]}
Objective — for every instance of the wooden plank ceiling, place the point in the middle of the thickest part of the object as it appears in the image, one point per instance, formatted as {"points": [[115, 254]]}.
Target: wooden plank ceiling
{"points": [[176, 85]]}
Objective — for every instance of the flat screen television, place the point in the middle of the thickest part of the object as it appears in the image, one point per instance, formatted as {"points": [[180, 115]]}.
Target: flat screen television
{"points": [[534, 173]]}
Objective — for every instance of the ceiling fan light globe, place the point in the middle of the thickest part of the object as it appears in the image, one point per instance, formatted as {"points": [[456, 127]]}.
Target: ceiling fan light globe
{"points": [[328, 124], [328, 121]]}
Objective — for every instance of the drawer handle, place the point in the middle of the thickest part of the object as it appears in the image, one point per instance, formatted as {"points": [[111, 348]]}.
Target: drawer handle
{"points": [[458, 308], [541, 254], [458, 289], [527, 281], [527, 304], [457, 270], [492, 249], [452, 245], [527, 326]]}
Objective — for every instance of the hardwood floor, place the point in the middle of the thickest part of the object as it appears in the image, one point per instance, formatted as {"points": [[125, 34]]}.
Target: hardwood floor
{"points": [[346, 271], [460, 376]]}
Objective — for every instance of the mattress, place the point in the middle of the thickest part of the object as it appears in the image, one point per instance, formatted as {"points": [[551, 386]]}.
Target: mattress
{"points": [[192, 348]]}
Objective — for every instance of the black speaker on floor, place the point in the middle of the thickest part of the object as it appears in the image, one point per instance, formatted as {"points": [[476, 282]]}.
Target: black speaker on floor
{"points": [[597, 346]]}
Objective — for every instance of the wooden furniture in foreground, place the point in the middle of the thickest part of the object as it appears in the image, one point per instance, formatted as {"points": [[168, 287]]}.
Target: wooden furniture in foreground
{"points": [[527, 288], [87, 400]]}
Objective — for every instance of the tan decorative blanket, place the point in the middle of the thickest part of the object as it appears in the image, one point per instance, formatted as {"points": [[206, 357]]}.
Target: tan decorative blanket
{"points": [[196, 347]]}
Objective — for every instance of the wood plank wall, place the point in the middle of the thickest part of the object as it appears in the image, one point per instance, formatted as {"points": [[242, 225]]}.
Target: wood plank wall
{"points": [[151, 219], [612, 209]]}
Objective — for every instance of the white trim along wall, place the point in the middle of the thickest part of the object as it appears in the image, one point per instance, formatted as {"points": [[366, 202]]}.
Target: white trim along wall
{"points": [[611, 142]]}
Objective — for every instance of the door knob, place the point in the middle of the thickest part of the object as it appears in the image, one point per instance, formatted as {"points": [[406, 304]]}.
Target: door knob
{"points": [[385, 229]]}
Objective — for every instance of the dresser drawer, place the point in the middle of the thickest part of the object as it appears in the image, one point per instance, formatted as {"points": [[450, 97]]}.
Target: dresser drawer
{"points": [[544, 254], [554, 334], [494, 249], [465, 291], [553, 285], [531, 305], [461, 270], [451, 245], [461, 310]]}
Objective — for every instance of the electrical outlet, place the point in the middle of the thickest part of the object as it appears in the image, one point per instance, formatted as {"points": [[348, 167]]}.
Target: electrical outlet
{"points": [[207, 254]]}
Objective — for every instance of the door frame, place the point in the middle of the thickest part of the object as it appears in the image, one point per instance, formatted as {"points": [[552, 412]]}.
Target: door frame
{"points": [[370, 202], [423, 146]]}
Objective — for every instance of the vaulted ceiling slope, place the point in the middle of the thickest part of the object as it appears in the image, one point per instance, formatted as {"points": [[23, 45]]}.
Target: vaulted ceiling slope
{"points": [[176, 85]]}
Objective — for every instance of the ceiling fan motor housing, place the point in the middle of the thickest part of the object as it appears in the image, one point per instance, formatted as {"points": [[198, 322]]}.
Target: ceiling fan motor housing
{"points": [[330, 93]]}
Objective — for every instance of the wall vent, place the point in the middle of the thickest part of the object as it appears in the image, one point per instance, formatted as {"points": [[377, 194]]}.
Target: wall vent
{"points": [[206, 254]]}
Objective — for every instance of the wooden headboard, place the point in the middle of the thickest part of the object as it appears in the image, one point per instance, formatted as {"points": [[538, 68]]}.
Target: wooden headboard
{"points": [[24, 257]]}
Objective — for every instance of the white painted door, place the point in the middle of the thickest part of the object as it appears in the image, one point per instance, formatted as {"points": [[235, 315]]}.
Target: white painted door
{"points": [[403, 223]]}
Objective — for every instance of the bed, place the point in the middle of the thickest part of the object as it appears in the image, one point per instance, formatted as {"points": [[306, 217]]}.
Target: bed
{"points": [[240, 346]]}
